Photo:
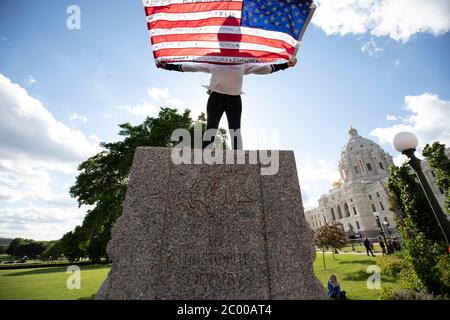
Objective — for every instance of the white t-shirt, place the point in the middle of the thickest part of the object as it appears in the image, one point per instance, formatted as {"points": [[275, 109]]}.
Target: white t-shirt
{"points": [[227, 79]]}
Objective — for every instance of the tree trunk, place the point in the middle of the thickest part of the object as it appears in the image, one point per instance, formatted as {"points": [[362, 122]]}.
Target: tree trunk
{"points": [[323, 258]]}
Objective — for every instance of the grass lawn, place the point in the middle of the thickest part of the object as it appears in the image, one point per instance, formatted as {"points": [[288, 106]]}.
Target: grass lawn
{"points": [[4, 257], [350, 270], [50, 283], [360, 248]]}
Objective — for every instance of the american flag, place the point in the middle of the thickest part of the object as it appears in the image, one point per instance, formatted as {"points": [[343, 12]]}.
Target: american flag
{"points": [[231, 31]]}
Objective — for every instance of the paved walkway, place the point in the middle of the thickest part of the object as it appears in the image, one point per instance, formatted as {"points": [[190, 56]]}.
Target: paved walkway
{"points": [[351, 252]]}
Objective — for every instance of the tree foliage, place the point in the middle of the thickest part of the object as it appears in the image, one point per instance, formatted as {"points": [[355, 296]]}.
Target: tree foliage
{"points": [[25, 247], [439, 161], [422, 238], [53, 251], [103, 179], [330, 236]]}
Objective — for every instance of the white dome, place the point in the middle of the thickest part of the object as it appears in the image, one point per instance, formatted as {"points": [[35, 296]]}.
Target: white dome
{"points": [[362, 158]]}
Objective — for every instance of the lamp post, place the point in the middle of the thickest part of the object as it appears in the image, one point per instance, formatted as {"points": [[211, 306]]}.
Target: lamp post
{"points": [[350, 236], [406, 143], [377, 218], [386, 227]]}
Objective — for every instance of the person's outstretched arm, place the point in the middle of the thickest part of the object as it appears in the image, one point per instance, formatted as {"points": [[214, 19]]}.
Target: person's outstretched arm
{"points": [[269, 68], [200, 67]]}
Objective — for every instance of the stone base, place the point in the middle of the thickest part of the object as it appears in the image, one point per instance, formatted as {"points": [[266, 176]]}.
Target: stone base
{"points": [[200, 231]]}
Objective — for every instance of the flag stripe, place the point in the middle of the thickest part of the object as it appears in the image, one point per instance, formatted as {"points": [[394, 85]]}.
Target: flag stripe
{"points": [[195, 7], [218, 53], [162, 3], [226, 37], [218, 59], [191, 32], [163, 24], [240, 46], [194, 15]]}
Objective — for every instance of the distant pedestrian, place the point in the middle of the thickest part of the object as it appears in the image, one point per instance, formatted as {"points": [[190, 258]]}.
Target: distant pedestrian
{"points": [[368, 244], [390, 247], [396, 244], [382, 245], [334, 289]]}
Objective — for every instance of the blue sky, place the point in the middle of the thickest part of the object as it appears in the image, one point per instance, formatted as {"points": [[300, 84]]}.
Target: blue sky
{"points": [[380, 75]]}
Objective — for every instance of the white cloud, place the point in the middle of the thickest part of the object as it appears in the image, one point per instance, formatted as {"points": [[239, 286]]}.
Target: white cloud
{"points": [[428, 119], [174, 103], [316, 177], [144, 109], [27, 127], [371, 48], [76, 116], [397, 19], [160, 97], [158, 94], [38, 159], [391, 117], [38, 223], [397, 62], [30, 80]]}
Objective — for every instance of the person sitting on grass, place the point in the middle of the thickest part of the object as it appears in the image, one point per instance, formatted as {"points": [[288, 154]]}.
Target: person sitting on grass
{"points": [[334, 289]]}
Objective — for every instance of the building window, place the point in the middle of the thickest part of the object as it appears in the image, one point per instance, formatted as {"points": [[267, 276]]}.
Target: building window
{"points": [[357, 169], [333, 217], [357, 225], [361, 165], [373, 208], [441, 191], [378, 194], [432, 173], [339, 212], [381, 205], [381, 166], [369, 166], [354, 211], [346, 209], [370, 197]]}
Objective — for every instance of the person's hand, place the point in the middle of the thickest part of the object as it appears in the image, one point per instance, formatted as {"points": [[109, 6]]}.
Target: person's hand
{"points": [[161, 65], [292, 61]]}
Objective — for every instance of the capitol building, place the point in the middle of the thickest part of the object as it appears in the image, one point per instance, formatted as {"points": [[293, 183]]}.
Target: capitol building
{"points": [[362, 190]]}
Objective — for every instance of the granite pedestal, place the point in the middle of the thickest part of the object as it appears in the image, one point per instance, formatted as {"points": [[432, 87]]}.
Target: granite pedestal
{"points": [[200, 231]]}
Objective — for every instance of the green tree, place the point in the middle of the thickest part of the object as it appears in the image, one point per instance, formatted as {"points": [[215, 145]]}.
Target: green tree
{"points": [[422, 238], [74, 244], [12, 249], [103, 179], [439, 161], [25, 247], [32, 249], [53, 251], [330, 236], [403, 183]]}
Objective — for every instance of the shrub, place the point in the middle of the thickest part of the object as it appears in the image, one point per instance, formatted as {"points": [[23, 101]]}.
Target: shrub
{"points": [[393, 265], [443, 269], [409, 280], [404, 294]]}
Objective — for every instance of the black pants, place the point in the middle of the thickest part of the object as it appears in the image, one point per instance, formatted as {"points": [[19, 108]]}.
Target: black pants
{"points": [[218, 103], [368, 249]]}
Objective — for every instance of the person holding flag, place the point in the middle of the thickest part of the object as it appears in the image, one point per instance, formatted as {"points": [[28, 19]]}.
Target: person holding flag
{"points": [[228, 39], [225, 91]]}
